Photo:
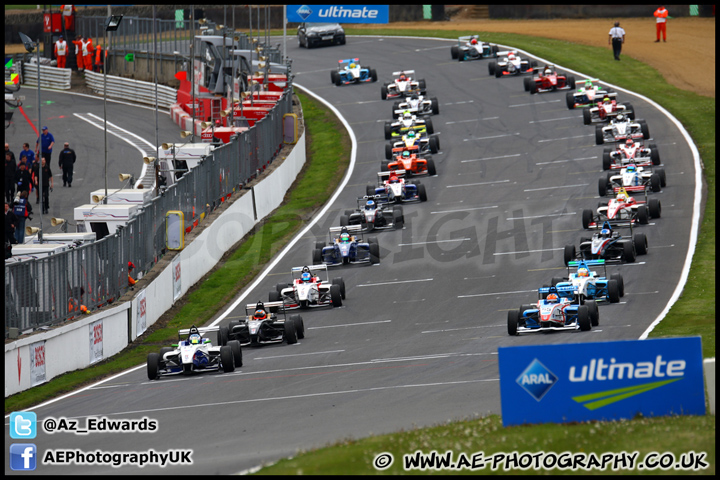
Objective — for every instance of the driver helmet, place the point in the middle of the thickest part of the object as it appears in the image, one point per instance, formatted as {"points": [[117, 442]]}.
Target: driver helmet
{"points": [[620, 117], [473, 41], [583, 272], [548, 70], [369, 205], [604, 233], [621, 197], [631, 168], [629, 142], [606, 100], [402, 76], [411, 134], [406, 154], [511, 56], [344, 237], [414, 96], [306, 277], [407, 115], [393, 178], [352, 65], [195, 339], [588, 84], [260, 314], [552, 298]]}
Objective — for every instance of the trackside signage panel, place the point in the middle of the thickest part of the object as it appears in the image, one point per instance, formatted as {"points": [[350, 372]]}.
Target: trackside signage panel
{"points": [[601, 380], [338, 13]]}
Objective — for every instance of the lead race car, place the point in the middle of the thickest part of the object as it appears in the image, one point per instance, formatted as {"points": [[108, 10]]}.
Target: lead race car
{"points": [[630, 152], [262, 325], [609, 245], [196, 353], [623, 210], [373, 213], [557, 309], [350, 71], [392, 187], [548, 79], [588, 284], [346, 246], [510, 63], [590, 94], [308, 289], [403, 85], [471, 48]]}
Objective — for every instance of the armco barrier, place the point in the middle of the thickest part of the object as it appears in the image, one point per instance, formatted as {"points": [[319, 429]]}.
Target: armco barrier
{"points": [[68, 347], [139, 91], [50, 77]]}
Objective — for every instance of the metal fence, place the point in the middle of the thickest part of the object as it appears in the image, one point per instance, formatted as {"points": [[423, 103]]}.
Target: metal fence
{"points": [[49, 290]]}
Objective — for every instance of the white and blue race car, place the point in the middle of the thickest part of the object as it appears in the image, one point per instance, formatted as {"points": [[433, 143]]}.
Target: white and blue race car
{"points": [[350, 71]]}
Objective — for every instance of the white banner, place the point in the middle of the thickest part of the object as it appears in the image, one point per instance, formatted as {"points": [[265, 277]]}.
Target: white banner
{"points": [[37, 363], [177, 283], [141, 321], [96, 341]]}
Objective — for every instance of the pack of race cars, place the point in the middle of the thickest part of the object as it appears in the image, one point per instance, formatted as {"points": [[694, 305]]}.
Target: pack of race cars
{"points": [[566, 303]]}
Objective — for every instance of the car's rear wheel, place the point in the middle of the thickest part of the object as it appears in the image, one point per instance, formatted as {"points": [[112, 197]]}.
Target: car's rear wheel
{"points": [[599, 137], [602, 186], [571, 81], [317, 256], [642, 215], [388, 131], [654, 208], [570, 253], [344, 221], [388, 151], [274, 296], [628, 252], [587, 217], [587, 116], [434, 145], [429, 126], [654, 154], [641, 243], [655, 182], [606, 158], [645, 129], [223, 334]]}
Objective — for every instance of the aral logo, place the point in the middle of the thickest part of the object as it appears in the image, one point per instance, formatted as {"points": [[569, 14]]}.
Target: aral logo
{"points": [[304, 12], [537, 379]]}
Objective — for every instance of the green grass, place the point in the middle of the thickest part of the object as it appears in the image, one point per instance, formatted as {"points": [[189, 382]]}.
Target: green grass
{"points": [[327, 162]]}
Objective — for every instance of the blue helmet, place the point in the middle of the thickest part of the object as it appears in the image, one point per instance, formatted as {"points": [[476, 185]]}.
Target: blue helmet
{"points": [[306, 277], [604, 233], [631, 168], [369, 205]]}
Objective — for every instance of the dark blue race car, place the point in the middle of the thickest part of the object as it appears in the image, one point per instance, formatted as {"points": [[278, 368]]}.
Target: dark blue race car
{"points": [[346, 246], [350, 71], [556, 309]]}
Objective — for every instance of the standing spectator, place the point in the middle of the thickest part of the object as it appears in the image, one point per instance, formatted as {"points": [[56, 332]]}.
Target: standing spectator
{"points": [[48, 141], [87, 51], [10, 171], [22, 211], [28, 155], [617, 36], [99, 63], [12, 155], [78, 51], [34, 180], [660, 23], [10, 224], [47, 185], [23, 179], [67, 160], [61, 51]]}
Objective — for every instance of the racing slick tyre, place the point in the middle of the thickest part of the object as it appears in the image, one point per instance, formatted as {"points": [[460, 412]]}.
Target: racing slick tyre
{"points": [[335, 295], [396, 106], [526, 83], [388, 151], [513, 320], [654, 208], [373, 75], [454, 52], [274, 296], [344, 221], [599, 137], [613, 291], [227, 360], [498, 72], [570, 81], [232, 325], [299, 325], [398, 218], [570, 253], [556, 280], [621, 283], [237, 352], [606, 158], [429, 127], [587, 116], [333, 76], [654, 154], [494, 50], [603, 186], [341, 282], [422, 194], [384, 93], [661, 173], [491, 67], [317, 257], [593, 312], [153, 361], [374, 253], [643, 215], [370, 190], [629, 111], [645, 129], [533, 88], [583, 318], [570, 100], [384, 166], [641, 243], [434, 144], [431, 168], [223, 334], [290, 332], [434, 106], [655, 182], [338, 80], [422, 86], [388, 131], [587, 218], [628, 252]]}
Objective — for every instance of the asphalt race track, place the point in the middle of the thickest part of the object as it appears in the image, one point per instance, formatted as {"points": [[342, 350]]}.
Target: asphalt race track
{"points": [[415, 342]]}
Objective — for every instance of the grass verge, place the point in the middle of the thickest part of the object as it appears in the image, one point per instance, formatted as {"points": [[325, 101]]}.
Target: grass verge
{"points": [[326, 164]]}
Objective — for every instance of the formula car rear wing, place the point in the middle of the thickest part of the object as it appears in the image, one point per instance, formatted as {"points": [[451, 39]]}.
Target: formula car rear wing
{"points": [[587, 263], [567, 291], [349, 60], [351, 229], [269, 307], [403, 72], [382, 176], [201, 330], [410, 149]]}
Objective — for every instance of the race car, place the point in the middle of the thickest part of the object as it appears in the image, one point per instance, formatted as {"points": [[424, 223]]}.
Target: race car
{"points": [[426, 144], [263, 325], [606, 110], [623, 210], [589, 94], [471, 48], [405, 122], [346, 246], [633, 179], [548, 80], [609, 245], [373, 213], [588, 284], [403, 86], [352, 72], [630, 152], [408, 160], [621, 128], [392, 187], [557, 309], [510, 63], [417, 105], [195, 353], [309, 289]]}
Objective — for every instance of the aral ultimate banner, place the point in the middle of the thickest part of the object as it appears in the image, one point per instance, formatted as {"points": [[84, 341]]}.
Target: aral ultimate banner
{"points": [[338, 13], [601, 381]]}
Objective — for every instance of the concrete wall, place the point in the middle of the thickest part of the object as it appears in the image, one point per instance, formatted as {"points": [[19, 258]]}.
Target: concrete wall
{"points": [[67, 348]]}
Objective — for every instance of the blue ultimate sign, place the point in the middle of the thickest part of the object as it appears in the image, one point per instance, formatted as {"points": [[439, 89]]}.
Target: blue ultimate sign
{"points": [[338, 13], [601, 381]]}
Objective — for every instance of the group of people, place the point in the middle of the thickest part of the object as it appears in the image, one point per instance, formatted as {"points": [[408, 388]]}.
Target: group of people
{"points": [[31, 172], [84, 52], [616, 37]]}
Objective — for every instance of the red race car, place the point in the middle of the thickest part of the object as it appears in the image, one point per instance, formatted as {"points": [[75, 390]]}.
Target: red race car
{"points": [[630, 152], [407, 159], [548, 80], [622, 210], [607, 110]]}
